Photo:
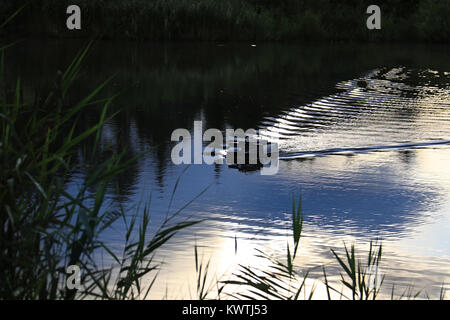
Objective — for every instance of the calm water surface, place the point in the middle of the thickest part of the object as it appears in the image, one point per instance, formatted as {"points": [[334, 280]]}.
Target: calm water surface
{"points": [[364, 139]]}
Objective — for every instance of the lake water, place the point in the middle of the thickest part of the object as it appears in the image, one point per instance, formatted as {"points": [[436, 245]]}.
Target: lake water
{"points": [[364, 140]]}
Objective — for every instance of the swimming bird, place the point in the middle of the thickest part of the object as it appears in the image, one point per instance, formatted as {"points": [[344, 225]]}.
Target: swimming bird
{"points": [[362, 84]]}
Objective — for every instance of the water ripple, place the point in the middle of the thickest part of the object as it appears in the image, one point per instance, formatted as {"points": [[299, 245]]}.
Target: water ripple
{"points": [[379, 111]]}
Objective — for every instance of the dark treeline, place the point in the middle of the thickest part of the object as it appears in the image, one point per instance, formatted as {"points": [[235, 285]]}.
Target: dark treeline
{"points": [[228, 20]]}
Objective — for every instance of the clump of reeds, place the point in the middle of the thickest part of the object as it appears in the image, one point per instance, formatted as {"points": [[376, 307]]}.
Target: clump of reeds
{"points": [[282, 280], [44, 228]]}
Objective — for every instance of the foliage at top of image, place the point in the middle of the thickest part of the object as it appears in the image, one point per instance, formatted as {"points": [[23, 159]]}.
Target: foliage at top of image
{"points": [[230, 20]]}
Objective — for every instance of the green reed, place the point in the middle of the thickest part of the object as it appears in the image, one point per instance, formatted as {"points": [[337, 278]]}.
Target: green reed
{"points": [[44, 228]]}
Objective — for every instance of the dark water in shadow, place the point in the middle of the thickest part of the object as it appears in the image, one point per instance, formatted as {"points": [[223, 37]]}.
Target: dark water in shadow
{"points": [[365, 129]]}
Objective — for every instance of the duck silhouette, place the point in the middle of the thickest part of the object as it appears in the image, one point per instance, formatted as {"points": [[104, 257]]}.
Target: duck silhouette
{"points": [[362, 84]]}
